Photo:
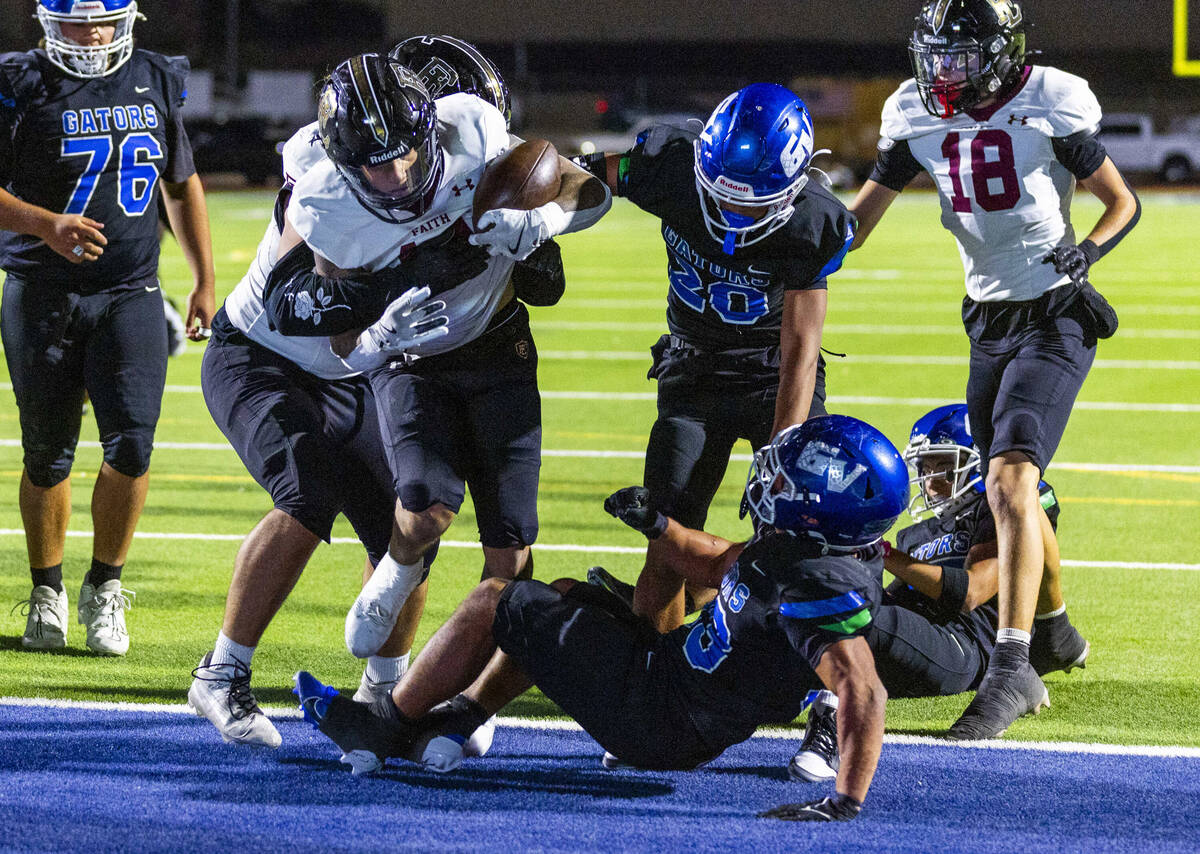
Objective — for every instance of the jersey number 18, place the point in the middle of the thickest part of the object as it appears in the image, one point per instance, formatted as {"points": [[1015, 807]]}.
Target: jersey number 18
{"points": [[1002, 167]]}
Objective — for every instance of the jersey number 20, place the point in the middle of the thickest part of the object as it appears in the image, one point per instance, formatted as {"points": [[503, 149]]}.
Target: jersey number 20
{"points": [[136, 170], [991, 159]]}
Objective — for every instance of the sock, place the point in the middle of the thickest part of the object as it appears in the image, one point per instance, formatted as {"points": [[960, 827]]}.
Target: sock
{"points": [[102, 572], [1012, 649], [1050, 615], [381, 668], [50, 577], [226, 651]]}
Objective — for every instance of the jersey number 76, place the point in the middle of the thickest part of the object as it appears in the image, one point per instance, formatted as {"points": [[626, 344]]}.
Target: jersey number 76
{"points": [[136, 170]]}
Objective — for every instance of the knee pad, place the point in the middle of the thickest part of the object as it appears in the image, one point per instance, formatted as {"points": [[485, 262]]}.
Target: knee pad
{"points": [[128, 452], [47, 465]]}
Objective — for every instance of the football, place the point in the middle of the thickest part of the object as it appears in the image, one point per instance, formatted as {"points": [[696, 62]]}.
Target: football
{"points": [[523, 178]]}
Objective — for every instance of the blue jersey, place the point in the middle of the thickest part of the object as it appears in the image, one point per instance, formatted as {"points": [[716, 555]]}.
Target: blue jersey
{"points": [[945, 541], [719, 301], [750, 657], [95, 147]]}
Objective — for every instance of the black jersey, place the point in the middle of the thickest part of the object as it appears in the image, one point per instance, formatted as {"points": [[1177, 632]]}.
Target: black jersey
{"points": [[718, 301], [95, 147], [945, 541], [749, 659]]}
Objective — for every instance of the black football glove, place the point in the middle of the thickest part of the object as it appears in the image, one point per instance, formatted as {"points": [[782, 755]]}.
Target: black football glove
{"points": [[1073, 261], [631, 506], [838, 808], [439, 267]]}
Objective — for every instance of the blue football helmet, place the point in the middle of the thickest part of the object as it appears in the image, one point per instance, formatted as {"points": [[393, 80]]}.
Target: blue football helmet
{"points": [[944, 461], [834, 479], [88, 60], [752, 153]]}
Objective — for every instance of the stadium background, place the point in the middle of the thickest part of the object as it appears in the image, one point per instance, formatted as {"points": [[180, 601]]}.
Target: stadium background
{"points": [[1128, 473]]}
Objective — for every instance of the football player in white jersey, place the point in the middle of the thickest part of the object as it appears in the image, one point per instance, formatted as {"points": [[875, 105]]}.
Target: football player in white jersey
{"points": [[304, 422], [460, 408], [1006, 143]]}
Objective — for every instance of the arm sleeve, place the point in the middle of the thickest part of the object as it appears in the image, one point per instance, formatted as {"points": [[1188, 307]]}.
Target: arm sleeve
{"points": [[10, 113], [300, 302], [895, 165], [815, 615], [539, 279], [180, 165], [1081, 153], [645, 180], [831, 240]]}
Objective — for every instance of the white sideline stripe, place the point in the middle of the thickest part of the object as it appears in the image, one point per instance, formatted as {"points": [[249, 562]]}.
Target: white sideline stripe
{"points": [[857, 359], [1106, 406], [834, 328], [1150, 750], [562, 547]]}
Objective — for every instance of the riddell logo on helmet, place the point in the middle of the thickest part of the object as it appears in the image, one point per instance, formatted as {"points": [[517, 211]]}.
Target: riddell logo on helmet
{"points": [[726, 184], [385, 156]]}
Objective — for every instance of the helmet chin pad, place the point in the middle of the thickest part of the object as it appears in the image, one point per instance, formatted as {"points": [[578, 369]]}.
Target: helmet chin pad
{"points": [[88, 61]]}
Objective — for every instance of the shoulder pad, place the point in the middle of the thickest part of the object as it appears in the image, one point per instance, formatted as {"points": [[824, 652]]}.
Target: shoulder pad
{"points": [[301, 152], [175, 70], [900, 111], [20, 76], [471, 126], [1071, 105]]}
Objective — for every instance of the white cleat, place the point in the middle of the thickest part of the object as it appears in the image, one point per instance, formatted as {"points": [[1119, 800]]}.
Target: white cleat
{"points": [[480, 741], [817, 759], [45, 619], [442, 754], [102, 609], [369, 690], [610, 762], [373, 615], [221, 693], [362, 762]]}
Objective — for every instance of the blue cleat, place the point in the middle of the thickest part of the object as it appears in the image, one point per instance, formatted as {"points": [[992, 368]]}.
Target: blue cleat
{"points": [[314, 697]]}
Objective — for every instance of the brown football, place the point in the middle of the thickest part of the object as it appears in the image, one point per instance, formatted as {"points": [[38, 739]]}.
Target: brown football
{"points": [[523, 178]]}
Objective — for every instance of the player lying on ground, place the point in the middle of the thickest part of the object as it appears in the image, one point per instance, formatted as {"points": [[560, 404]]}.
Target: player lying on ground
{"points": [[305, 424], [793, 604], [935, 631], [750, 244], [1005, 144]]}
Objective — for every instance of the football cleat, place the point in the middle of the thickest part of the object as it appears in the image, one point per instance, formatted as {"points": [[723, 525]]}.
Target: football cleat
{"points": [[45, 613], [1003, 696], [1057, 645], [450, 733], [221, 692], [611, 762], [600, 577], [371, 618], [817, 759], [367, 735], [102, 609]]}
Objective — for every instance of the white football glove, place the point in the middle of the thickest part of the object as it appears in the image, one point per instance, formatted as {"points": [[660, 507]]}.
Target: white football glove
{"points": [[515, 234], [408, 321]]}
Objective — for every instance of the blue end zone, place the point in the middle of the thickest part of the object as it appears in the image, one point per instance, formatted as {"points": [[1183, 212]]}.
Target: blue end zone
{"points": [[102, 780]]}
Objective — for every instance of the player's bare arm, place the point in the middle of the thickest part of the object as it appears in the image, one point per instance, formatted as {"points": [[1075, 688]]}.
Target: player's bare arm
{"points": [[982, 577], [868, 207], [800, 348], [76, 238], [188, 215], [1121, 206], [848, 669]]}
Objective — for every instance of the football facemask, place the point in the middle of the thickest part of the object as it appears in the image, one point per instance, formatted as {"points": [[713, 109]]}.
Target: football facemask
{"points": [[88, 61], [943, 461]]}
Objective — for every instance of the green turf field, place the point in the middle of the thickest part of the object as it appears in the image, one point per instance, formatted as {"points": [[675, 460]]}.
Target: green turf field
{"points": [[895, 302]]}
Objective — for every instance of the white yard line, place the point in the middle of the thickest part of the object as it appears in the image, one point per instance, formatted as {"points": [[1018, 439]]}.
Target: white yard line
{"points": [[836, 328], [567, 547], [593, 454], [865, 359], [550, 725]]}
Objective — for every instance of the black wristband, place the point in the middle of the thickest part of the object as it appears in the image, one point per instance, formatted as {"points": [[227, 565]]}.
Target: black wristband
{"points": [[955, 583], [1091, 250], [657, 529]]}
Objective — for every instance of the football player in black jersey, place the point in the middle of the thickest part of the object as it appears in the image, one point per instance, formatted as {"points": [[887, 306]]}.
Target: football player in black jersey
{"points": [[750, 242], [935, 631], [90, 134], [792, 608]]}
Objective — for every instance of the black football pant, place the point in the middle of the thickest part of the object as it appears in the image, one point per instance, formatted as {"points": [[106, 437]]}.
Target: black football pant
{"points": [[917, 658]]}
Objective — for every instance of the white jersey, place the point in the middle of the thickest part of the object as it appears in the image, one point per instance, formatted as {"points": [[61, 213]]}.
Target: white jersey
{"points": [[1005, 197], [332, 221]]}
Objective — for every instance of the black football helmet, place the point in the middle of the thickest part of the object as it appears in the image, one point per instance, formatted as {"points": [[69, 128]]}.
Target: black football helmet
{"points": [[966, 51], [372, 111], [446, 64]]}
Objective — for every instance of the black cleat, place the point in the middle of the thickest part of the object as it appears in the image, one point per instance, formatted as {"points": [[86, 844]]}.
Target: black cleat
{"points": [[1003, 696], [1057, 645], [365, 734], [600, 577], [817, 759]]}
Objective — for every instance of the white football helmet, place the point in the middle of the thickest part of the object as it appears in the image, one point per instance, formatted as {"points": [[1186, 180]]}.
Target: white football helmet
{"points": [[88, 61]]}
